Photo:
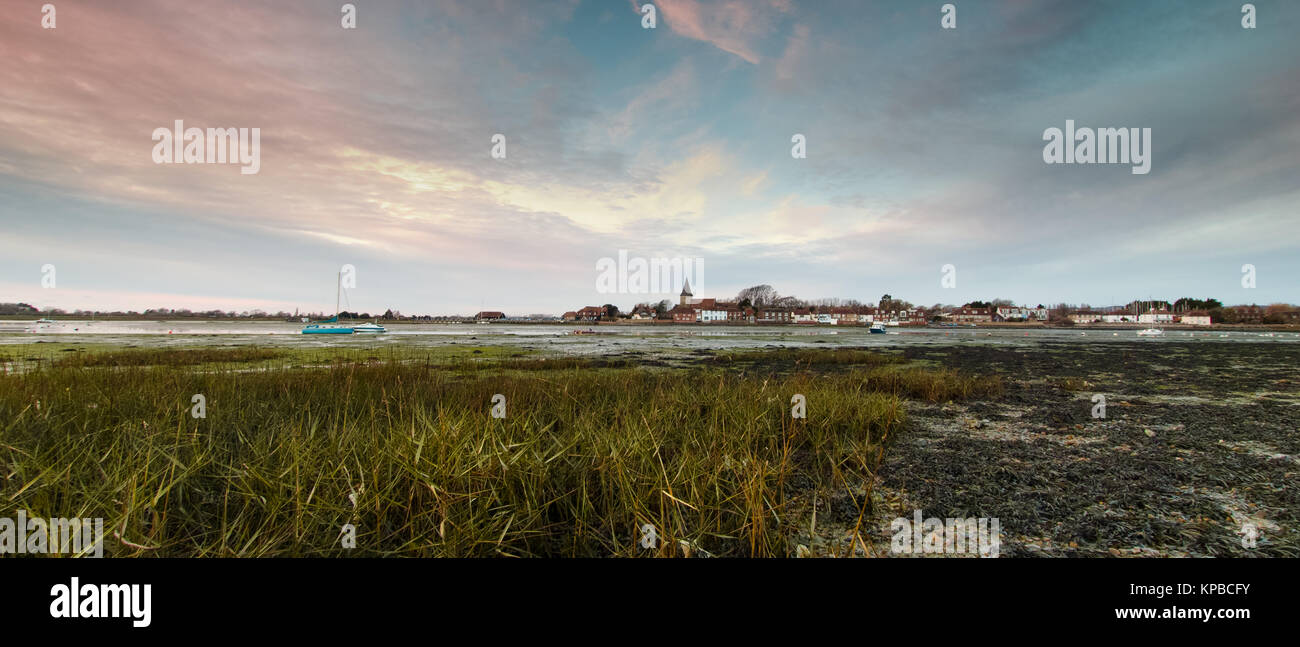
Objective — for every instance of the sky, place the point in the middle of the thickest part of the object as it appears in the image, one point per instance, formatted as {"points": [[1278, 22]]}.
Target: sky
{"points": [[924, 148]]}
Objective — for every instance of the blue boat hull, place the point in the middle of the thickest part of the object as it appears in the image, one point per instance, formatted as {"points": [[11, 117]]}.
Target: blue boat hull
{"points": [[326, 331]]}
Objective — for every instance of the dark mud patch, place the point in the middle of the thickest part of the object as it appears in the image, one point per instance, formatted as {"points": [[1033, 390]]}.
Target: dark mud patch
{"points": [[1199, 441]]}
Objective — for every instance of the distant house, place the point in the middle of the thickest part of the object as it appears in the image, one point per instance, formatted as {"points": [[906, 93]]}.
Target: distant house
{"points": [[590, 313], [490, 315], [642, 313], [774, 315], [1020, 313], [804, 315], [1276, 314], [712, 314], [967, 314], [570, 316], [842, 316], [1011, 313], [1156, 316], [684, 314], [912, 316], [738, 314]]}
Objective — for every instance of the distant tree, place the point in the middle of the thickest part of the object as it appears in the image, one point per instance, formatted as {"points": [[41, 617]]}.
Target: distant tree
{"points": [[1060, 311], [611, 312], [758, 295], [1189, 303], [662, 308]]}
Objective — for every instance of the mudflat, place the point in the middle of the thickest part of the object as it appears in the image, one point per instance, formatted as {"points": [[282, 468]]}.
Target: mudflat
{"points": [[1197, 454]]}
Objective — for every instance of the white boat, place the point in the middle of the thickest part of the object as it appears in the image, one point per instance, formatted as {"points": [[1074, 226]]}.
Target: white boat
{"points": [[877, 328], [44, 321], [1151, 332], [371, 327]]}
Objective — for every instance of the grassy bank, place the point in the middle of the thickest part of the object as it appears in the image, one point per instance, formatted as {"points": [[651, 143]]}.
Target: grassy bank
{"points": [[406, 450]]}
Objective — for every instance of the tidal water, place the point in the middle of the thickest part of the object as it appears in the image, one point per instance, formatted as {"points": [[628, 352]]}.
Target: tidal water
{"points": [[559, 338]]}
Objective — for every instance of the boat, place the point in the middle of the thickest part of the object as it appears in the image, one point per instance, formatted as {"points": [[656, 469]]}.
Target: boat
{"points": [[330, 326], [323, 328], [44, 321], [371, 327], [878, 328], [1151, 332]]}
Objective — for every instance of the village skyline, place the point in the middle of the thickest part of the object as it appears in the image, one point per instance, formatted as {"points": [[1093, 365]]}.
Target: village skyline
{"points": [[763, 304]]}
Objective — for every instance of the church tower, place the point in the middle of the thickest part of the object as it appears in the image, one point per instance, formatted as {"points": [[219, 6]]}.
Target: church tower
{"points": [[686, 293]]}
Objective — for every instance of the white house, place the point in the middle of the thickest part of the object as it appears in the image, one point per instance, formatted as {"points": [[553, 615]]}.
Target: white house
{"points": [[1013, 313], [1157, 316], [711, 315]]}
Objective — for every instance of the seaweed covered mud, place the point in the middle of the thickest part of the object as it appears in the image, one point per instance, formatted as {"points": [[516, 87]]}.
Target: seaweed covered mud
{"points": [[1118, 449]]}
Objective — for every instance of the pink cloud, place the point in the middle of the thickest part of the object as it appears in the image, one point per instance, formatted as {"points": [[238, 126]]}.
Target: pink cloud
{"points": [[733, 26]]}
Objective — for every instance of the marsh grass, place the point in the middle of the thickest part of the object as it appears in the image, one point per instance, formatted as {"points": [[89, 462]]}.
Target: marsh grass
{"points": [[167, 357], [407, 452], [809, 357], [932, 385]]}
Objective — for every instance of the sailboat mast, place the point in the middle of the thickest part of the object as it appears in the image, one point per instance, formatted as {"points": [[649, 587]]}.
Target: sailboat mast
{"points": [[338, 285]]}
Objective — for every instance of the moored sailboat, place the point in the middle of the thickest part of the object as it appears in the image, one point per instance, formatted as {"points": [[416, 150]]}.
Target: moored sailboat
{"points": [[324, 327]]}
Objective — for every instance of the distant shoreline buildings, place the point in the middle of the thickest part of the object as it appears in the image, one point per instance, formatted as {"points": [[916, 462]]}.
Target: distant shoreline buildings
{"points": [[788, 310], [692, 310]]}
